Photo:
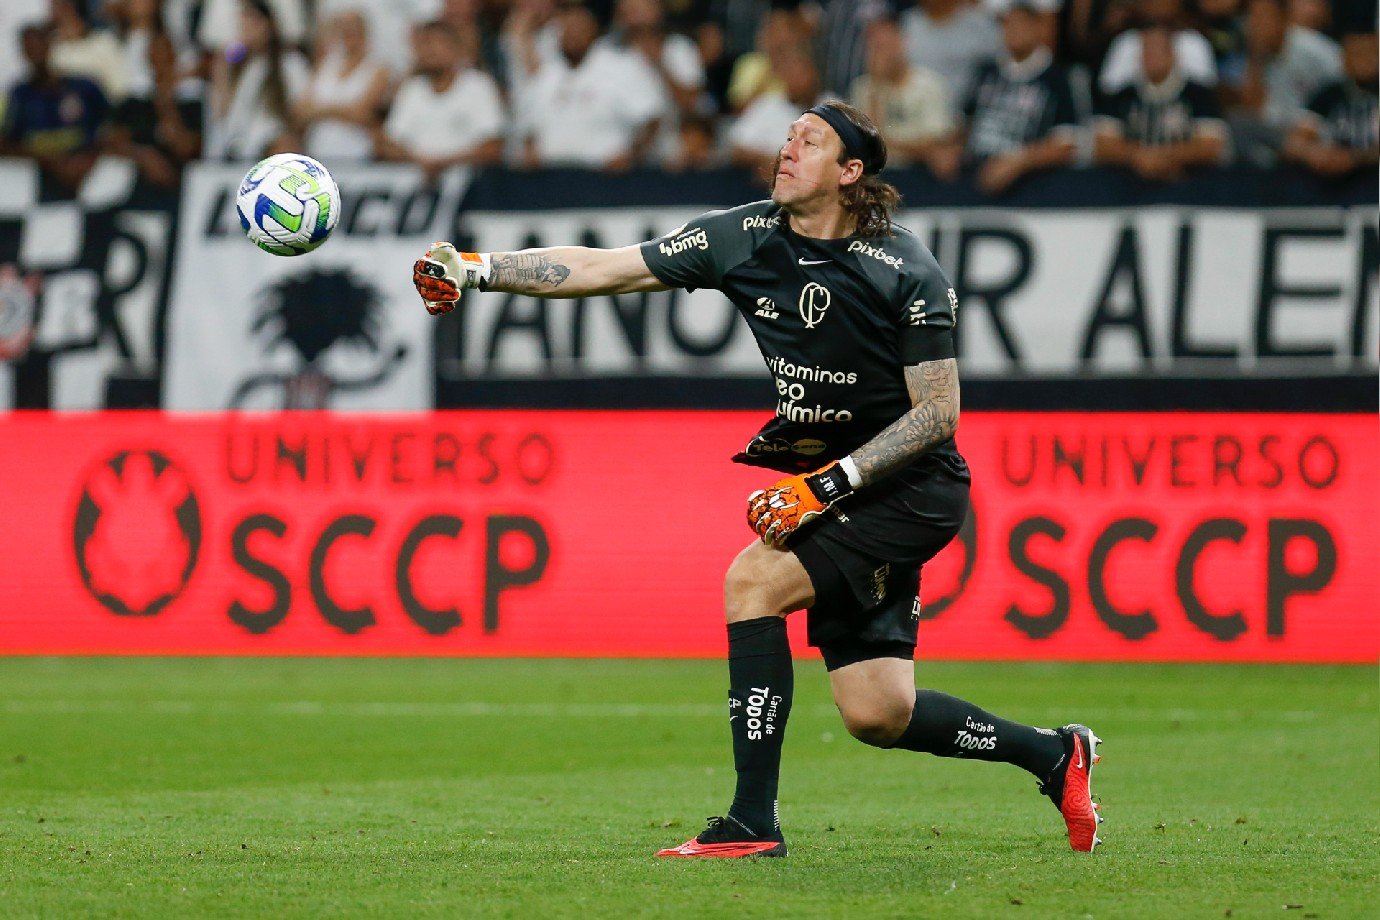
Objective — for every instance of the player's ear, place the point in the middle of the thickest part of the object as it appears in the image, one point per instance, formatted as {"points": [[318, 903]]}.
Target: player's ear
{"points": [[852, 172]]}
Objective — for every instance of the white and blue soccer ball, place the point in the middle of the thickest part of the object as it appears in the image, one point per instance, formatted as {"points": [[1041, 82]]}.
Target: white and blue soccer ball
{"points": [[288, 204]]}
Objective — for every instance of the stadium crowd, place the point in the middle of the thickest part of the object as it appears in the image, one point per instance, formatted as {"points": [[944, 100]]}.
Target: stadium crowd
{"points": [[995, 89]]}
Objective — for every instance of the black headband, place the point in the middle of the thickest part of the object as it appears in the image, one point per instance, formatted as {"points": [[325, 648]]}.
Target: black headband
{"points": [[856, 144]]}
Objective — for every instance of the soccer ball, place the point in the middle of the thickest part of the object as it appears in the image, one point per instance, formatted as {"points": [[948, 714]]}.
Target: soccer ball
{"points": [[288, 204]]}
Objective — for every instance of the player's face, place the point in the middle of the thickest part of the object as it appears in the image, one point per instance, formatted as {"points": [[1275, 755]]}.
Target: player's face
{"points": [[808, 167]]}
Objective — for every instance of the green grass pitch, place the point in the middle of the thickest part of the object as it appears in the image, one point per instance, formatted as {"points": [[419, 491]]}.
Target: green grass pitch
{"points": [[471, 788]]}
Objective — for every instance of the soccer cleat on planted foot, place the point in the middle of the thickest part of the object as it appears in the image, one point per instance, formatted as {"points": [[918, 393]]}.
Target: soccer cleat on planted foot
{"points": [[728, 838], [1069, 786]]}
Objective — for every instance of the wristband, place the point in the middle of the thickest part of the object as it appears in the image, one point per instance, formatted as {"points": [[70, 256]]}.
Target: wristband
{"points": [[850, 469], [829, 484], [478, 267]]}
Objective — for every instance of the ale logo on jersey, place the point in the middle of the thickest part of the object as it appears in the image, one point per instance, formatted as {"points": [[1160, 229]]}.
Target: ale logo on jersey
{"points": [[814, 302], [137, 532]]}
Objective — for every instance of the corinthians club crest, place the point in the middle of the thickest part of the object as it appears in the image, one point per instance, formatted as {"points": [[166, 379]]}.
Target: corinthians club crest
{"points": [[814, 301], [137, 532]]}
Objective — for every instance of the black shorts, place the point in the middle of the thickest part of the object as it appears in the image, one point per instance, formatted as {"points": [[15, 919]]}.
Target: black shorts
{"points": [[864, 556]]}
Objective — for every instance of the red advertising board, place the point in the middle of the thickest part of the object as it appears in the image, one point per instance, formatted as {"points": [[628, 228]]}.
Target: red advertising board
{"points": [[1093, 536]]}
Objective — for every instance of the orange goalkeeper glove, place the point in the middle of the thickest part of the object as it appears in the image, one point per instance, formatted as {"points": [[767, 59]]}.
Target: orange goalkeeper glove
{"points": [[776, 513], [443, 274]]}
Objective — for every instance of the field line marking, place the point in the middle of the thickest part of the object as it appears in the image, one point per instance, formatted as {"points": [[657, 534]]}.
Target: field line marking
{"points": [[474, 709]]}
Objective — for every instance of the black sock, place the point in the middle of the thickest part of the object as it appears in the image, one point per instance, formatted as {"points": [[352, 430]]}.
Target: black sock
{"points": [[760, 684], [949, 727]]}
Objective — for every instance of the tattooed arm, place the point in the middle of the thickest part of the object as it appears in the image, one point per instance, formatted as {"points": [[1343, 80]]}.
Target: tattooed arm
{"points": [[933, 387], [571, 271]]}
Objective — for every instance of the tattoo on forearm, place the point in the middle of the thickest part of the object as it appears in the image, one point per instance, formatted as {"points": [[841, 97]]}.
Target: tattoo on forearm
{"points": [[526, 272], [933, 387]]}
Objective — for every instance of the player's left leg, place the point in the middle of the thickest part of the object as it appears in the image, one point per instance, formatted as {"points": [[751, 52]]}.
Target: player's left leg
{"points": [[881, 707]]}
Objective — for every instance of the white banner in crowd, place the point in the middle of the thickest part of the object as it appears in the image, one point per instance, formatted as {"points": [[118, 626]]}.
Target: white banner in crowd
{"points": [[1057, 293], [1048, 292], [338, 328]]}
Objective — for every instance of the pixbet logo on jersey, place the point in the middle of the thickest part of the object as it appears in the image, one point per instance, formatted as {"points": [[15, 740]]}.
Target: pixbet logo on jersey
{"points": [[814, 302], [880, 255]]}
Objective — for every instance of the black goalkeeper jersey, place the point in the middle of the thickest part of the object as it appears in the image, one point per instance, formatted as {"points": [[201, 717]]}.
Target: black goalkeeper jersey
{"points": [[836, 320]]}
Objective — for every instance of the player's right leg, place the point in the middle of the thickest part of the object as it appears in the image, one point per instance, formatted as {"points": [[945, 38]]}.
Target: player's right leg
{"points": [[762, 585]]}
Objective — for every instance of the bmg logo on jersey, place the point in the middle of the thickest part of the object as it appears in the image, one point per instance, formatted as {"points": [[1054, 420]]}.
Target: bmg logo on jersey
{"points": [[814, 302], [694, 239]]}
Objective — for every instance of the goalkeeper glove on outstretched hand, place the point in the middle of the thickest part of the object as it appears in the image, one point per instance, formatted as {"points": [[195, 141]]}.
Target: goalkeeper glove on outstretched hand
{"points": [[776, 513], [443, 274]]}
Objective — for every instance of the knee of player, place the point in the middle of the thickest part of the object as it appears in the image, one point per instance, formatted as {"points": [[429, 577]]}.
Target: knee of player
{"points": [[745, 596], [877, 725]]}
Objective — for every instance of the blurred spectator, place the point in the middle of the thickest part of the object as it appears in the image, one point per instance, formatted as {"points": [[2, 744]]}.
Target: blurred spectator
{"points": [[841, 39], [80, 50], [780, 31], [697, 147], [449, 113], [1285, 66], [741, 19], [1221, 23], [1337, 135], [1087, 27], [253, 86], [910, 104], [640, 29], [1020, 117], [14, 16], [472, 16], [639, 26], [1122, 66], [348, 88], [159, 124], [530, 36], [222, 23], [592, 105], [1311, 14], [758, 134], [716, 63], [389, 24], [53, 118], [953, 38], [1164, 124]]}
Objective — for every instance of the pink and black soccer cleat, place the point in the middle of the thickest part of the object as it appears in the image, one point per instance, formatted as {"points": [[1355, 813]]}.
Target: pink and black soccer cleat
{"points": [[728, 838], [1069, 786]]}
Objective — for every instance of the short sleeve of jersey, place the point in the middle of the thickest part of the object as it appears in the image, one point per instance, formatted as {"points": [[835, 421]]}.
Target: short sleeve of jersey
{"points": [[699, 254], [927, 322]]}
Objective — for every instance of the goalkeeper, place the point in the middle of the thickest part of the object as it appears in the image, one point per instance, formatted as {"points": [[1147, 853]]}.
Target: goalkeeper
{"points": [[855, 320]]}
